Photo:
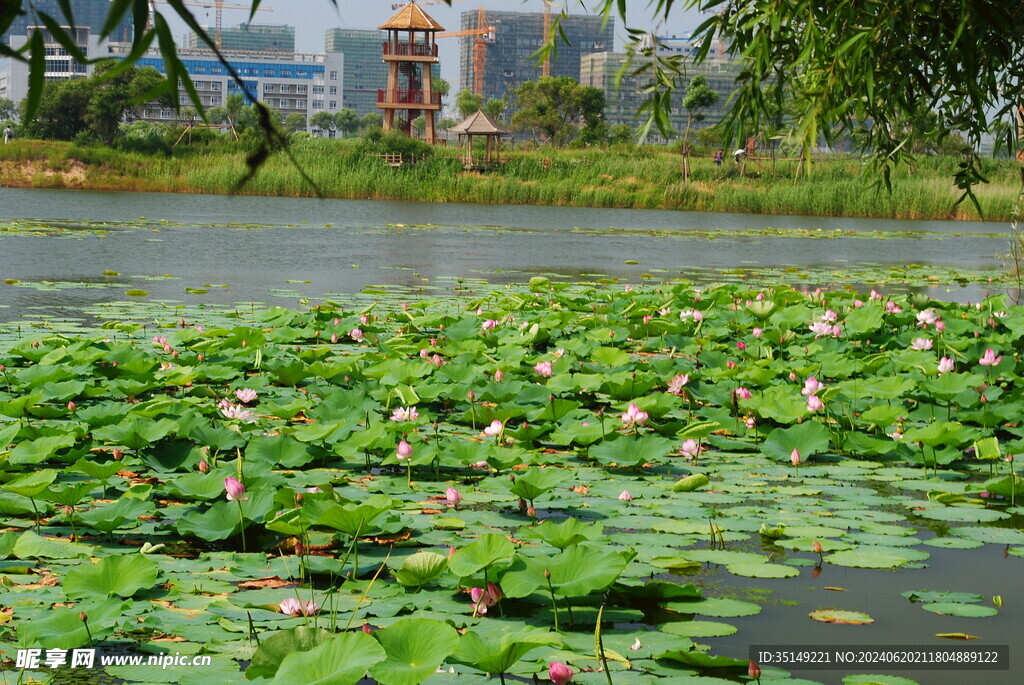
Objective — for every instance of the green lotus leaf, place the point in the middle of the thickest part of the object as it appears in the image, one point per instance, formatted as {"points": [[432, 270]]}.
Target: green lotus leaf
{"points": [[32, 546], [691, 483], [351, 519], [31, 484], [631, 450], [575, 572], [562, 535], [340, 660], [40, 449], [868, 556], [62, 627], [489, 550], [419, 569], [537, 482], [841, 616], [110, 517], [415, 647], [496, 651], [119, 575], [698, 628], [808, 438], [960, 609], [275, 647], [932, 596]]}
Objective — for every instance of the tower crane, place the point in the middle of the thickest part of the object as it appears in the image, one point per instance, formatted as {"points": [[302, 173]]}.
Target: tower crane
{"points": [[484, 34], [219, 6]]}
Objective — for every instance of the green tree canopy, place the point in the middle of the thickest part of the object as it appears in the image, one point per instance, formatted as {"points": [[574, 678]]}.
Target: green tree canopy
{"points": [[347, 121], [467, 102], [296, 121], [8, 109], [557, 107], [322, 121]]}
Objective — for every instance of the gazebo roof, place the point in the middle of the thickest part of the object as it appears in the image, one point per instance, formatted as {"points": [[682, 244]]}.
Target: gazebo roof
{"points": [[479, 123], [411, 17]]}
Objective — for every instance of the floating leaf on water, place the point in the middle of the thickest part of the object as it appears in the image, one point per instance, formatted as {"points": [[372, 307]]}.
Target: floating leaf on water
{"points": [[135, 292], [956, 636], [960, 609], [698, 628], [841, 616]]}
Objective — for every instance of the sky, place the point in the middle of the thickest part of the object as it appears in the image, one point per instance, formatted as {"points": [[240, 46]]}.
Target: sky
{"points": [[311, 18]]}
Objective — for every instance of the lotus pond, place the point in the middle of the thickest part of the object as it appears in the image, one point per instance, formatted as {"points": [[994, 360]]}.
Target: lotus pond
{"points": [[632, 483]]}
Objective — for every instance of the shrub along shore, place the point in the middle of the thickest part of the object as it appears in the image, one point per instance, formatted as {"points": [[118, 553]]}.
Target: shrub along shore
{"points": [[627, 177]]}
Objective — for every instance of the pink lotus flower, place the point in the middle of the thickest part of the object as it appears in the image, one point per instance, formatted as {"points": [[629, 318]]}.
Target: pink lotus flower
{"points": [[857, 304], [990, 358], [875, 295], [334, 338], [424, 353], [812, 387], [233, 411], [758, 332], [730, 364], [494, 429], [690, 449], [543, 368], [814, 403], [675, 385], [452, 496], [436, 360], [364, 319], [402, 414], [624, 496], [742, 393], [926, 318], [559, 673], [794, 457], [830, 316], [357, 335], [634, 416], [294, 607], [921, 344], [820, 328], [750, 423], [741, 346], [234, 488], [647, 318], [404, 450], [489, 325], [499, 376], [246, 395], [940, 326], [484, 598], [893, 308], [945, 365], [694, 314]]}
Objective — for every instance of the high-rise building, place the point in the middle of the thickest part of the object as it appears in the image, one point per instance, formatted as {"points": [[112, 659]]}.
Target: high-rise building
{"points": [[517, 36], [623, 100], [365, 70], [276, 39], [14, 74], [91, 13]]}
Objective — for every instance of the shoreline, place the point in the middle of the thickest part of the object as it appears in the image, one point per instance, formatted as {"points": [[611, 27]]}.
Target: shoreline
{"points": [[605, 179]]}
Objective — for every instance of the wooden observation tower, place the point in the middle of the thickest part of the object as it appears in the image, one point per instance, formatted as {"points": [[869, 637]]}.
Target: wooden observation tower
{"points": [[409, 51]]}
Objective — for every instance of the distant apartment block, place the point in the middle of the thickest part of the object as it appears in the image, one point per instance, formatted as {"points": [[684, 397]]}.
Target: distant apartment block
{"points": [[250, 38], [306, 84], [517, 36], [365, 70], [59, 64], [624, 99], [85, 13]]}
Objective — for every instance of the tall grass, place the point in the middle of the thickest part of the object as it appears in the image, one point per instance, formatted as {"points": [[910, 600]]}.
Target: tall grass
{"points": [[627, 177]]}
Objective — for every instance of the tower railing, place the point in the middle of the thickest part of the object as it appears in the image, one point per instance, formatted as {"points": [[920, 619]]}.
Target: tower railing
{"points": [[408, 97], [410, 49]]}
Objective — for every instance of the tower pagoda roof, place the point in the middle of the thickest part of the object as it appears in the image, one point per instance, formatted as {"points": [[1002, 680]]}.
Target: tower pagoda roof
{"points": [[411, 17]]}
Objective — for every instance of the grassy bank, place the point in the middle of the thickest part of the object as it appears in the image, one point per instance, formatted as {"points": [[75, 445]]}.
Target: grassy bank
{"points": [[634, 178]]}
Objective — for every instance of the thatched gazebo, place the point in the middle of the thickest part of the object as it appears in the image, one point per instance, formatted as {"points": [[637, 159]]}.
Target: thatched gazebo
{"points": [[479, 124]]}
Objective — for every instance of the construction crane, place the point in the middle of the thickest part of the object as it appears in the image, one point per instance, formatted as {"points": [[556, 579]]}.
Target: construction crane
{"points": [[545, 69], [400, 5], [484, 34], [219, 6]]}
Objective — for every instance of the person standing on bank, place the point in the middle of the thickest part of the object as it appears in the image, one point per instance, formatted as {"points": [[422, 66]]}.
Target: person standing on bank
{"points": [[7, 134], [719, 154]]}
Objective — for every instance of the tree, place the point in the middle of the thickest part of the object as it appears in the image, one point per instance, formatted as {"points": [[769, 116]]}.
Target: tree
{"points": [[851, 64], [495, 108], [419, 123], [467, 102], [371, 120], [557, 106], [296, 121], [698, 97], [61, 111], [323, 122], [8, 110], [347, 121]]}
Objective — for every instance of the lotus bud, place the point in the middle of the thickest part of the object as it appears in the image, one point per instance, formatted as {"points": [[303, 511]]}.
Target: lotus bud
{"points": [[452, 496], [201, 357], [817, 547], [499, 376], [404, 450], [83, 617], [470, 395], [451, 551], [71, 406], [117, 454], [203, 466], [794, 457], [35, 343], [753, 670], [547, 574], [68, 510], [298, 499], [531, 512], [234, 488], [522, 505], [300, 549], [367, 629], [559, 673]]}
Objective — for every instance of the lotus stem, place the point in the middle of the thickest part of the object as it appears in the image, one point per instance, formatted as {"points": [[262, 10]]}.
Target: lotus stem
{"points": [[551, 590], [241, 523], [599, 644]]}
